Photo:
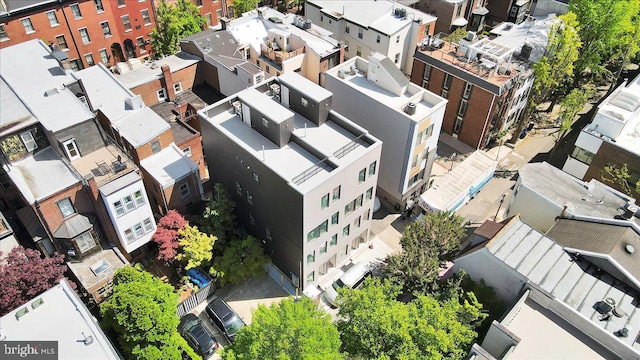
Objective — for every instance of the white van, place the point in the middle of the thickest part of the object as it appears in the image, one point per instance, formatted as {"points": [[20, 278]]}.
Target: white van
{"points": [[352, 278]]}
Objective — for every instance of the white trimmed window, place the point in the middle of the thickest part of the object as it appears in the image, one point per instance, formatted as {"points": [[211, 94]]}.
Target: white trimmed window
{"points": [[139, 198], [53, 19], [28, 26], [131, 237], [162, 95], [85, 241], [119, 208], [75, 9], [104, 57], [66, 207], [184, 190], [89, 59], [3, 33], [138, 229], [84, 34], [187, 151], [177, 87], [99, 6], [141, 44], [128, 203], [28, 141], [146, 19], [126, 22], [106, 30], [148, 225]]}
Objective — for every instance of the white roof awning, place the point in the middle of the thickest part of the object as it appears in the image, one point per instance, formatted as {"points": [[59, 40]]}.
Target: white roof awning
{"points": [[459, 22]]}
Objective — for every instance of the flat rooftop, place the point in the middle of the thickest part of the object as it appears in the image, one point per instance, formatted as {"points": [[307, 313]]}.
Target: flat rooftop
{"points": [[574, 283], [169, 165], [425, 101], [544, 335], [61, 317], [105, 92], [139, 126], [103, 164], [152, 70], [96, 270], [291, 162], [38, 80], [593, 199]]}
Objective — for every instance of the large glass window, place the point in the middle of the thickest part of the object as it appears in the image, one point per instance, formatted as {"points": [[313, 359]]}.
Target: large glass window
{"points": [[85, 241], [582, 155], [66, 207], [318, 231]]}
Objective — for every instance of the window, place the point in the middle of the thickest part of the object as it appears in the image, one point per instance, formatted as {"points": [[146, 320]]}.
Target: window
{"points": [[324, 202], [128, 203], [22, 312], [372, 168], [426, 74], [84, 34], [311, 277], [256, 178], [369, 194], [76, 64], [209, 19], [467, 90], [28, 26], [28, 141], [53, 19], [129, 235], [89, 59], [265, 122], [458, 10], [238, 188], [445, 94], [141, 44], [346, 230], [334, 240], [362, 175], [75, 9], [358, 201], [336, 193], [462, 108], [104, 57], [121, 3], [177, 87], [457, 127], [85, 242], [105, 29], [378, 39], [99, 6], [323, 249], [347, 29], [348, 209], [66, 207], [146, 19], [304, 102], [138, 197], [397, 59], [148, 225], [446, 84], [334, 218], [424, 134], [311, 258], [155, 146], [184, 190], [367, 214], [267, 69], [162, 94], [359, 51], [318, 231], [398, 39], [360, 33], [138, 230], [198, 2], [582, 155], [356, 222], [249, 198], [126, 23], [119, 208], [3, 33]]}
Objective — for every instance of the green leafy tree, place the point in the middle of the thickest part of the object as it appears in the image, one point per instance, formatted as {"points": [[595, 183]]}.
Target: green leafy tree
{"points": [[217, 218], [456, 36], [241, 259], [142, 311], [569, 108], [288, 330], [195, 246], [174, 22], [374, 325], [609, 33], [242, 6], [619, 176], [555, 68], [426, 244]]}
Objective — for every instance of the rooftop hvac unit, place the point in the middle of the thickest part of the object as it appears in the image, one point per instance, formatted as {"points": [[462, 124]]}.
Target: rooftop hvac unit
{"points": [[410, 109], [471, 36], [307, 24], [237, 107], [629, 212], [275, 89]]}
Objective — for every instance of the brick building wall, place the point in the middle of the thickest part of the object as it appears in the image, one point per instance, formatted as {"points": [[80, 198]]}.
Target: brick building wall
{"points": [[610, 155], [186, 77], [197, 155], [145, 150], [51, 213]]}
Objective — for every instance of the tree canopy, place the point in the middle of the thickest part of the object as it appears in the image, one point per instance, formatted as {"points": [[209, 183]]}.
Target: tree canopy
{"points": [[374, 325], [241, 259], [166, 235], [142, 311], [426, 244], [619, 176], [242, 6], [25, 275], [195, 246], [287, 330], [174, 22], [217, 218]]}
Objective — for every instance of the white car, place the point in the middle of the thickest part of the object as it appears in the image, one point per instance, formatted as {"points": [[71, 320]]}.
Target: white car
{"points": [[352, 278]]}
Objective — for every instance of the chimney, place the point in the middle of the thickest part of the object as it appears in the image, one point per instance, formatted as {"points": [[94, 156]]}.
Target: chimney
{"points": [[168, 82], [224, 21]]}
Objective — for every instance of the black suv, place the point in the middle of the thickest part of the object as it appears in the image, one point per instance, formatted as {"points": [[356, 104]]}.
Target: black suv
{"points": [[192, 329], [223, 317]]}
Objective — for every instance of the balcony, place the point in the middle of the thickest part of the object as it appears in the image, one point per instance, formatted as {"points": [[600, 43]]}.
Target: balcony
{"points": [[105, 164], [277, 55]]}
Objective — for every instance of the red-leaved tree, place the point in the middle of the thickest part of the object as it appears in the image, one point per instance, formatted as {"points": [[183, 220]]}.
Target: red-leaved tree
{"points": [[24, 274], [167, 235]]}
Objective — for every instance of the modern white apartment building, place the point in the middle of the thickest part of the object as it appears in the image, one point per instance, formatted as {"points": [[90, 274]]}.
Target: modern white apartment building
{"points": [[365, 26], [302, 175], [406, 117]]}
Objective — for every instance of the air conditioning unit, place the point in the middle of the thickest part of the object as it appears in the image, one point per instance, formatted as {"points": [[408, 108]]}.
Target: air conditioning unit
{"points": [[471, 36], [237, 107], [275, 89], [629, 212]]}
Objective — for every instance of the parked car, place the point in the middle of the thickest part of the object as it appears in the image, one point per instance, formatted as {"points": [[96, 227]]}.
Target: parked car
{"points": [[197, 335], [224, 318], [352, 278]]}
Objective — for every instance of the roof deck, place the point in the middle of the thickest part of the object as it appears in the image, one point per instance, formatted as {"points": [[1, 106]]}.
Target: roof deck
{"points": [[105, 164]]}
